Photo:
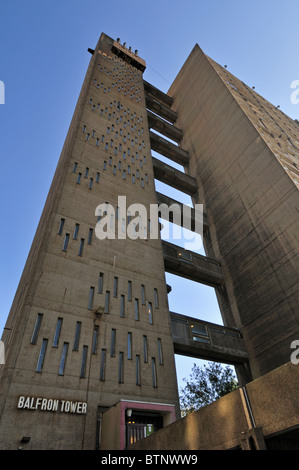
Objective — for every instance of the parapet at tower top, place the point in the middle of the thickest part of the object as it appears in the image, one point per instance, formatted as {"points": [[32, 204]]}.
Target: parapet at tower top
{"points": [[108, 45]]}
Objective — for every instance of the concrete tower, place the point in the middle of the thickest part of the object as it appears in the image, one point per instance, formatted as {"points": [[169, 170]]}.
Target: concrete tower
{"points": [[90, 341], [89, 327], [244, 156]]}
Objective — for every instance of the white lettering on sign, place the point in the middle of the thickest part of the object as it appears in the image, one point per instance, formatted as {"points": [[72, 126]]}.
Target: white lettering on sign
{"points": [[50, 404]]}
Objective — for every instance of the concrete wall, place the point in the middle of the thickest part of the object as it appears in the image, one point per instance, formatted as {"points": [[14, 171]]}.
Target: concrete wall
{"points": [[57, 283], [251, 204], [225, 423], [274, 399], [111, 429], [217, 426]]}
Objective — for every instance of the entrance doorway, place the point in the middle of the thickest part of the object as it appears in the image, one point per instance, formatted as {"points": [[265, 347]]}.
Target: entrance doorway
{"points": [[140, 424]]}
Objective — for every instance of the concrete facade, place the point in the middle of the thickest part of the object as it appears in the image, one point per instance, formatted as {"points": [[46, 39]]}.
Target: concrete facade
{"points": [[243, 154], [106, 154], [90, 341], [262, 416]]}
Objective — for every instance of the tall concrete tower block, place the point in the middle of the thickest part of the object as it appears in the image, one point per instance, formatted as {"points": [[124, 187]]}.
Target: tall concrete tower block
{"points": [[244, 155], [88, 340]]}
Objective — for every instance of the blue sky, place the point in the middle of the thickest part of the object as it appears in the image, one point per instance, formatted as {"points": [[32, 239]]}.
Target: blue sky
{"points": [[43, 60]]}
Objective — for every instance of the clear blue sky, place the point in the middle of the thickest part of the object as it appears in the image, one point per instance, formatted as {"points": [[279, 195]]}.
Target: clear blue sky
{"points": [[43, 60]]}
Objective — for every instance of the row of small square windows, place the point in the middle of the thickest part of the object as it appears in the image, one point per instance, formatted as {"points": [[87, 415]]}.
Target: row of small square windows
{"points": [[101, 85], [120, 132], [94, 347], [121, 80], [130, 76], [126, 137], [125, 172], [119, 88], [118, 120], [123, 72], [119, 107], [93, 134], [120, 64], [126, 153]]}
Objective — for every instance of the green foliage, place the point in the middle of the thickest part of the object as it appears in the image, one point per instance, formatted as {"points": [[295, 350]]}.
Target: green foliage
{"points": [[205, 385]]}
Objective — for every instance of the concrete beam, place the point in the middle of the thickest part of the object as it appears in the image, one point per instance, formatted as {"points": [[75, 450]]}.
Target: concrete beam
{"points": [[205, 340], [168, 149], [158, 94], [175, 178], [128, 56], [191, 265], [161, 109], [162, 199], [164, 127]]}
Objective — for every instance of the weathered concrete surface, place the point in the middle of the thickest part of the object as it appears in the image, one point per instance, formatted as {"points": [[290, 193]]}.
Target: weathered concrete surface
{"points": [[57, 283], [164, 127], [168, 149], [158, 94], [226, 423], [191, 265], [175, 178], [251, 201], [182, 213], [205, 340], [160, 108]]}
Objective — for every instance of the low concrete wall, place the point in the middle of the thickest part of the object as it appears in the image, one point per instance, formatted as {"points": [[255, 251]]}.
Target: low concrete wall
{"points": [[274, 399], [224, 424], [110, 437], [216, 426]]}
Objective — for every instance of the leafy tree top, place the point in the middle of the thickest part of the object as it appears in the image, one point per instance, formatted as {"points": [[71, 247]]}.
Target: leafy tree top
{"points": [[205, 385]]}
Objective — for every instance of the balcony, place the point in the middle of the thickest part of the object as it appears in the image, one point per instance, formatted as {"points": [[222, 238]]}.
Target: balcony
{"points": [[157, 94], [173, 177], [164, 127], [168, 149], [173, 217], [191, 265], [209, 341], [161, 109]]}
